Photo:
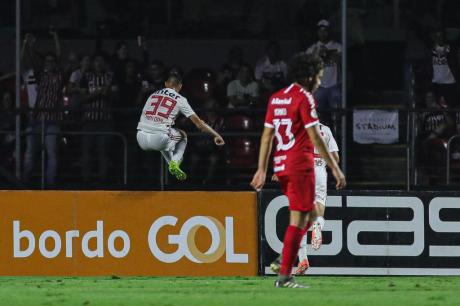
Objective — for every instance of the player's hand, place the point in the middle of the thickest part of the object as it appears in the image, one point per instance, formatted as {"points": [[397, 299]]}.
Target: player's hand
{"points": [[339, 178], [275, 178], [258, 181], [219, 141]]}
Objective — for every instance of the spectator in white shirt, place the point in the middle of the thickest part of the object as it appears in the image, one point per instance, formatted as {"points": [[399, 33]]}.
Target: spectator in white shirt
{"points": [[271, 70], [329, 94], [243, 91], [444, 69]]}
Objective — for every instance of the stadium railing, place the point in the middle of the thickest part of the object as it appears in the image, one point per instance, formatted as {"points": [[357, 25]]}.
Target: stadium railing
{"points": [[448, 157], [369, 166]]}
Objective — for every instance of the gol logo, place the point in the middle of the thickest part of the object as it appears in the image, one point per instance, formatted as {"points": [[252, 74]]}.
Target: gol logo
{"points": [[222, 240]]}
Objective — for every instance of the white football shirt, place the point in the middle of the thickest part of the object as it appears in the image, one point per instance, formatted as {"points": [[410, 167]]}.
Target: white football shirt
{"points": [[441, 70], [161, 110], [330, 143]]}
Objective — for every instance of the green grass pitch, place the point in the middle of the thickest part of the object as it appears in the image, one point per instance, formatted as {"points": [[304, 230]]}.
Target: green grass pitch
{"points": [[163, 291]]}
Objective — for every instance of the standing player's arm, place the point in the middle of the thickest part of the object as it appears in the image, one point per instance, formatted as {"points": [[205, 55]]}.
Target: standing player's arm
{"points": [[318, 142], [205, 128], [335, 155], [266, 143]]}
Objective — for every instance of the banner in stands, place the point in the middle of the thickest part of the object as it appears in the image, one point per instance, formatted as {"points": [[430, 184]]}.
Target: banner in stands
{"points": [[128, 233], [373, 233], [375, 126]]}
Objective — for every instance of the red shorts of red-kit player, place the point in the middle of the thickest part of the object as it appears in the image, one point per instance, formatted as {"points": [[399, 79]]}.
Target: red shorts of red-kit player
{"points": [[300, 190]]}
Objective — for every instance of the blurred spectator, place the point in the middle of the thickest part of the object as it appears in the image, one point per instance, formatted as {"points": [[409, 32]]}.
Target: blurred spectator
{"points": [[437, 126], [243, 91], [329, 94], [47, 116], [74, 89], [205, 157], [100, 90], [229, 71], [130, 90], [122, 56], [235, 58], [271, 70], [176, 70], [445, 68], [29, 61], [77, 74], [127, 113], [30, 84], [153, 79], [7, 123], [71, 64]]}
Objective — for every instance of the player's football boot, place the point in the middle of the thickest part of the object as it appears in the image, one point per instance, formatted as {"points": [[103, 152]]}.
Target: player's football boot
{"points": [[302, 267], [316, 236], [289, 283], [174, 169], [275, 266]]}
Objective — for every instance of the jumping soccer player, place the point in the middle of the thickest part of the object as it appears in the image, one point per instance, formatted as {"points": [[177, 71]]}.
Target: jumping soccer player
{"points": [[155, 131], [292, 119]]}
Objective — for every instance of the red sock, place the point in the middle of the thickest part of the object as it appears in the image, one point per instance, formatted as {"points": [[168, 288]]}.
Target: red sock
{"points": [[291, 247]]}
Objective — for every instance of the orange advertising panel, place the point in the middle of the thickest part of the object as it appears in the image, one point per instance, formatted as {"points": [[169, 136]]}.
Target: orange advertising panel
{"points": [[128, 233]]}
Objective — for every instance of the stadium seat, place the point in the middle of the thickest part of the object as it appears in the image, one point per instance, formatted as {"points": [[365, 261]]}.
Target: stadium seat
{"points": [[242, 153], [239, 123], [200, 84]]}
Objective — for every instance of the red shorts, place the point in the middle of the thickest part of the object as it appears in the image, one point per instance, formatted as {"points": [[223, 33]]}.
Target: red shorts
{"points": [[300, 190]]}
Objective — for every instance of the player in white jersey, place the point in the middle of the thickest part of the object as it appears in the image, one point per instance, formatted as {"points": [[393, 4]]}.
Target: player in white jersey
{"points": [[155, 128], [320, 198]]}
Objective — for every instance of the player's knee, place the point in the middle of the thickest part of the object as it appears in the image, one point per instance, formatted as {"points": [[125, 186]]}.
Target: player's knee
{"points": [[320, 207], [298, 219], [313, 215], [184, 135]]}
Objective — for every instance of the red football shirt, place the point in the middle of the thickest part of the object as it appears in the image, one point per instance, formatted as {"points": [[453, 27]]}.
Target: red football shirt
{"points": [[290, 112]]}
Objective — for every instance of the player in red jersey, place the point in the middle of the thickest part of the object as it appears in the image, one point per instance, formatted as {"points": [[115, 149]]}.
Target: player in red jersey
{"points": [[292, 120]]}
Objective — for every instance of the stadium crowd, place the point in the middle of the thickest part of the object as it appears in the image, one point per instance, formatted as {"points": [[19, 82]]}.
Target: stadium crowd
{"points": [[100, 94]]}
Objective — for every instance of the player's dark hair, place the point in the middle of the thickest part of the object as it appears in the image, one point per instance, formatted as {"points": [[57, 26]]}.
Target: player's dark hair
{"points": [[174, 78], [304, 67]]}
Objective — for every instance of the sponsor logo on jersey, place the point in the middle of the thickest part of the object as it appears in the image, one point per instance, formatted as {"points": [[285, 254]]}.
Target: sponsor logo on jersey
{"points": [[278, 101]]}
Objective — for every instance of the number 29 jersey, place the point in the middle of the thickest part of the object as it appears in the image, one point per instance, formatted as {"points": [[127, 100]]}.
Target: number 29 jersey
{"points": [[161, 110], [290, 112]]}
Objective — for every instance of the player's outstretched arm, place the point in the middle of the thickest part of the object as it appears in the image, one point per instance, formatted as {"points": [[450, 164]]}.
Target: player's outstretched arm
{"points": [[318, 142], [205, 128], [258, 181]]}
